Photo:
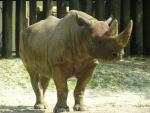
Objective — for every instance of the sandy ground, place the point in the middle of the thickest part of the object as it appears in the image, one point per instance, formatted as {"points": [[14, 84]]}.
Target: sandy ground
{"points": [[16, 99]]}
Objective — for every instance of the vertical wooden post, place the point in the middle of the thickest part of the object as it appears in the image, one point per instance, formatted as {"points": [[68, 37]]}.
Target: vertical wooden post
{"points": [[46, 8], [82, 5], [137, 14], [100, 9], [139, 26], [73, 4], [33, 14], [61, 8], [115, 10], [146, 27], [20, 21], [133, 44], [125, 18], [108, 11], [7, 29], [86, 6]]}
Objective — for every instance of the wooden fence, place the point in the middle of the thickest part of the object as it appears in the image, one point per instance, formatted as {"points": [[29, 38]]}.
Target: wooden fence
{"points": [[123, 10]]}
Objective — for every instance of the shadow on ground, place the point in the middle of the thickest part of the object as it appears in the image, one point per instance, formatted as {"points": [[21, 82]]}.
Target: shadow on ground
{"points": [[19, 109], [28, 109]]}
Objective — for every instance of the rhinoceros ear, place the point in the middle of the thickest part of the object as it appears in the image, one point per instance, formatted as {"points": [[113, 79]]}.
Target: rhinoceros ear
{"points": [[108, 21], [81, 21], [124, 36]]}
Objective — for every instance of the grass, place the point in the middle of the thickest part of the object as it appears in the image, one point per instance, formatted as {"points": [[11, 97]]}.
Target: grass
{"points": [[133, 74]]}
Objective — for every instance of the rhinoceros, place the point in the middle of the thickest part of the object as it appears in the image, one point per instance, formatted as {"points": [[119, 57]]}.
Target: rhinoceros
{"points": [[62, 48]]}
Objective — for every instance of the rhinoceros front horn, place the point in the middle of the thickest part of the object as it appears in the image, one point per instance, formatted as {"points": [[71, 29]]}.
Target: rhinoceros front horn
{"points": [[124, 36]]}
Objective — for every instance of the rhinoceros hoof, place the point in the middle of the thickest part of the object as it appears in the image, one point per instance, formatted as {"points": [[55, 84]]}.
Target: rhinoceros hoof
{"points": [[61, 109], [40, 106], [79, 107]]}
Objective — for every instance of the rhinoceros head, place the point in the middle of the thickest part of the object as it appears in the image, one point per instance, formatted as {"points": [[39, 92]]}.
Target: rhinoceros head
{"points": [[105, 41]]}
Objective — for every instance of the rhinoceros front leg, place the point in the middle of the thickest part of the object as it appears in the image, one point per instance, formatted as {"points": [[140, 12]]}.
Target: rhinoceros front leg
{"points": [[82, 80], [39, 85], [62, 93]]}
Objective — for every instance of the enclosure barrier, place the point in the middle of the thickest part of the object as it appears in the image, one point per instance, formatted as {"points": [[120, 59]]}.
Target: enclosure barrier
{"points": [[123, 10]]}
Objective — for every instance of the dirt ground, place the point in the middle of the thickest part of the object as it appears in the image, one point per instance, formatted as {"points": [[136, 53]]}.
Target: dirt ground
{"points": [[16, 95]]}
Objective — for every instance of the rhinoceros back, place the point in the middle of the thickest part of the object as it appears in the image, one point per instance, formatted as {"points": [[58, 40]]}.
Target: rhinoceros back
{"points": [[34, 43]]}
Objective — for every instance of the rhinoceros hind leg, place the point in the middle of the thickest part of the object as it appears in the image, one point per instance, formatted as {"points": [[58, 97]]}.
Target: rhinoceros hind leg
{"points": [[44, 82], [38, 90]]}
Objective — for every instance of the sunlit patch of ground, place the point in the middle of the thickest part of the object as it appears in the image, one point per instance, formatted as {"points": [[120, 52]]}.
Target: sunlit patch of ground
{"points": [[15, 101], [116, 88]]}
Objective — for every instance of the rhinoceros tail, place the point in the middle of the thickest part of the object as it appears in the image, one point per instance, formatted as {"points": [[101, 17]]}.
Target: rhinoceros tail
{"points": [[21, 45], [24, 36]]}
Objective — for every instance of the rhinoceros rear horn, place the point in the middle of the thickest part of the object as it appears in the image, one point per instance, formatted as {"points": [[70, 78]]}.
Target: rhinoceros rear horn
{"points": [[124, 36], [113, 30]]}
